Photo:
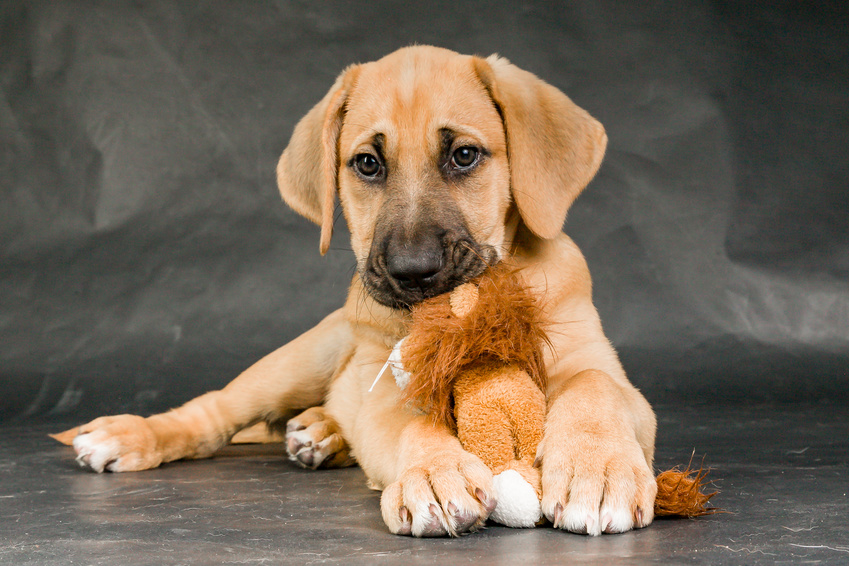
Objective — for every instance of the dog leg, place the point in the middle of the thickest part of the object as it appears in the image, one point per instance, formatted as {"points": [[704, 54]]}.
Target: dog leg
{"points": [[313, 440], [295, 376], [596, 474]]}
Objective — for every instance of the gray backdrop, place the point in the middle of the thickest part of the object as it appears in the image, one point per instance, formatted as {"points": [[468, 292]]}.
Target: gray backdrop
{"points": [[145, 255]]}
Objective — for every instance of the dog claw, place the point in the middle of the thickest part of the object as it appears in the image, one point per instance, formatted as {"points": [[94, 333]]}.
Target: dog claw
{"points": [[434, 526], [406, 524], [558, 516], [462, 521], [488, 502]]}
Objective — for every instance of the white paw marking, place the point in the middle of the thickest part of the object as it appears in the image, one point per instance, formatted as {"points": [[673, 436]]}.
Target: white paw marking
{"points": [[95, 452], [616, 520], [581, 519], [302, 447], [299, 437]]}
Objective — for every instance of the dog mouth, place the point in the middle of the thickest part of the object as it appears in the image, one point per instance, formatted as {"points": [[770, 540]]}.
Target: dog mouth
{"points": [[400, 276]]}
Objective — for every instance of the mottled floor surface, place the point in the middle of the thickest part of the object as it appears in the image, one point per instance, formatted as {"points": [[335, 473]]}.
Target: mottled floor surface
{"points": [[783, 473]]}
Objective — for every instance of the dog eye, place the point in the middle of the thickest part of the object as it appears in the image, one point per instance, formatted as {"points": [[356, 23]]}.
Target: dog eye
{"points": [[464, 157], [367, 165]]}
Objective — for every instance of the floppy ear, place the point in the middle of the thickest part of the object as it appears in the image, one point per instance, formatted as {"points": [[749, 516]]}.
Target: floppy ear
{"points": [[307, 170], [554, 147]]}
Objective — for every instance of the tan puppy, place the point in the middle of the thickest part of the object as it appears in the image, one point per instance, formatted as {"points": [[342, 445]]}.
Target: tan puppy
{"points": [[443, 163]]}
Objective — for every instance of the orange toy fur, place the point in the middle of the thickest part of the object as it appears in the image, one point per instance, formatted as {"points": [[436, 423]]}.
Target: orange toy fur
{"points": [[679, 494], [500, 417], [475, 363]]}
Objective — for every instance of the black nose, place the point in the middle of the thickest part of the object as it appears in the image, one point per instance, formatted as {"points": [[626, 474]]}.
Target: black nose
{"points": [[415, 269]]}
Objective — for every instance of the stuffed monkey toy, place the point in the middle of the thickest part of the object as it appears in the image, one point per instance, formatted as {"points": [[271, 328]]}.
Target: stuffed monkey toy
{"points": [[473, 361]]}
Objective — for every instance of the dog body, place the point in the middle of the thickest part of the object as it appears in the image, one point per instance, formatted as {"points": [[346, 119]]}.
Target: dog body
{"points": [[443, 164]]}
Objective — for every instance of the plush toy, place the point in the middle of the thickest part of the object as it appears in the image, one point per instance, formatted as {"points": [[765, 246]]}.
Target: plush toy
{"points": [[473, 361]]}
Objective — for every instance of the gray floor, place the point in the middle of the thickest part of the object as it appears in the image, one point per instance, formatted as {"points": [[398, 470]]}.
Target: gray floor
{"points": [[783, 474]]}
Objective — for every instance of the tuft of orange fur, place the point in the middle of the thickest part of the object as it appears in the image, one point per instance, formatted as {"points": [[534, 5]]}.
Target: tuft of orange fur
{"points": [[679, 494], [505, 327]]}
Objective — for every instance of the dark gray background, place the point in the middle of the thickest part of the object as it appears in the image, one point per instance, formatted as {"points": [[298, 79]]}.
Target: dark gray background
{"points": [[145, 255]]}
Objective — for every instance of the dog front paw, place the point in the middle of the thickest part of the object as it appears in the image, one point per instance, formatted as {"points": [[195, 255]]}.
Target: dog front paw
{"points": [[123, 443], [449, 495], [594, 485]]}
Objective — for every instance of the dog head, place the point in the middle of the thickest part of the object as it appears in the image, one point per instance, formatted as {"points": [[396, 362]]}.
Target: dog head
{"points": [[434, 157]]}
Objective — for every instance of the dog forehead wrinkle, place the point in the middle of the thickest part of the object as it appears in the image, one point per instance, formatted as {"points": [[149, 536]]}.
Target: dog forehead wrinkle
{"points": [[427, 92], [456, 130], [369, 133], [424, 90]]}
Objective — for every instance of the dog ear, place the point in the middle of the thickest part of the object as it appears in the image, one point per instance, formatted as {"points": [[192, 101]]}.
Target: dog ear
{"points": [[554, 147], [307, 170]]}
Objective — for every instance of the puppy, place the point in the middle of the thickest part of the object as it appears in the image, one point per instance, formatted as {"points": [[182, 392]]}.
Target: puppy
{"points": [[443, 163]]}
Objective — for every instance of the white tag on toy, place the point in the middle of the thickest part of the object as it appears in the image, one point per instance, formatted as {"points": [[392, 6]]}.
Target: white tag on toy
{"points": [[402, 378]]}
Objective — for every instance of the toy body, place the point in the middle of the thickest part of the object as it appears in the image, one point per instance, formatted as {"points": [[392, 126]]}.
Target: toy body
{"points": [[500, 414]]}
